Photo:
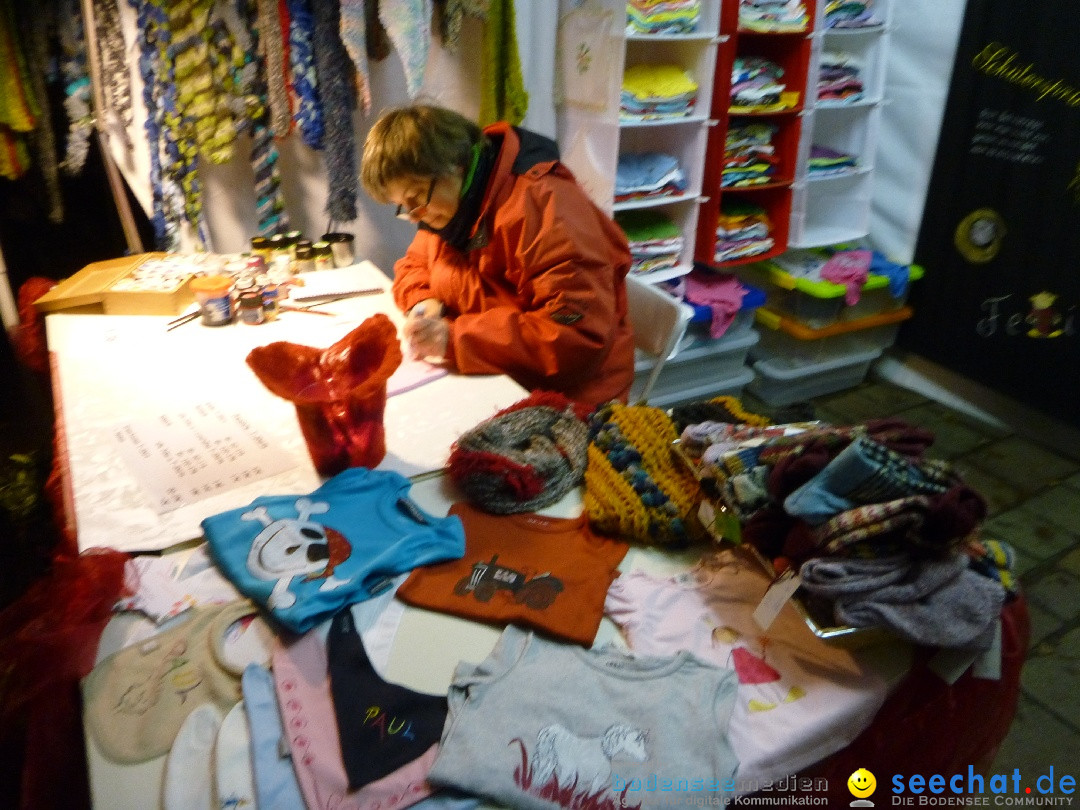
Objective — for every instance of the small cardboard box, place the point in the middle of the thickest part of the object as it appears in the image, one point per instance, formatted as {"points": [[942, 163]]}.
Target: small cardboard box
{"points": [[92, 290]]}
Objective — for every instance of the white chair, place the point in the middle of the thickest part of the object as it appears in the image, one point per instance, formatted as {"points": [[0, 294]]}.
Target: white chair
{"points": [[659, 321]]}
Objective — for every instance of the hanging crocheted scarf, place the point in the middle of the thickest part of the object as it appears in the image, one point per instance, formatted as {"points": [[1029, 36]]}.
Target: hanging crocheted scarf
{"points": [[199, 93], [19, 109], [76, 86], [354, 36], [241, 17], [408, 23], [305, 81], [339, 100], [115, 79], [272, 48], [42, 139], [503, 95], [450, 15]]}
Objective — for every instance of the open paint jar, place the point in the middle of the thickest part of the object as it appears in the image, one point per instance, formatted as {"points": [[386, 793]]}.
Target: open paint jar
{"points": [[213, 295]]}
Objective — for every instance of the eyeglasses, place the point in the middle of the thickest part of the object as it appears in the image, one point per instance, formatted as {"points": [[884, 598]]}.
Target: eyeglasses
{"points": [[419, 211]]}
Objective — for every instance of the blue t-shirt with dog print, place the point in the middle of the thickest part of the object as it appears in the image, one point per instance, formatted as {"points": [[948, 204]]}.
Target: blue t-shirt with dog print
{"points": [[305, 557]]}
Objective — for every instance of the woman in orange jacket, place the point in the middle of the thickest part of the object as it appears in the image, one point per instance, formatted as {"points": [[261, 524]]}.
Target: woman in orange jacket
{"points": [[513, 269]]}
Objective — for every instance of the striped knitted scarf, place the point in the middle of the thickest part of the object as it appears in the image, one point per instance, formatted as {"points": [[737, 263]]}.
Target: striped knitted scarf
{"points": [[272, 49]]}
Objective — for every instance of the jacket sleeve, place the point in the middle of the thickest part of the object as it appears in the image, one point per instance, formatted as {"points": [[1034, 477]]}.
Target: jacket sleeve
{"points": [[412, 273], [569, 259]]}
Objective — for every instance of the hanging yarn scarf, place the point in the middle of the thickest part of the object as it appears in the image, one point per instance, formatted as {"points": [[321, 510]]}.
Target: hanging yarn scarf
{"points": [[115, 79], [198, 96], [503, 95], [354, 37], [177, 190], [272, 48], [408, 23], [339, 100], [43, 141], [305, 81], [269, 200], [76, 86], [450, 15], [19, 109]]}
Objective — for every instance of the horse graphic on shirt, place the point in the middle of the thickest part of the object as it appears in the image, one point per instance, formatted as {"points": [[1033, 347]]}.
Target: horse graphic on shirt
{"points": [[585, 761], [292, 547]]}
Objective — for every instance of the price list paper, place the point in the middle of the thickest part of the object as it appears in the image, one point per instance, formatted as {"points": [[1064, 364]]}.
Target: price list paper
{"points": [[181, 457]]}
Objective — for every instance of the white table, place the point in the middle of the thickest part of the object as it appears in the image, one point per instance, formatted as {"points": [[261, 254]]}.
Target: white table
{"points": [[108, 368]]}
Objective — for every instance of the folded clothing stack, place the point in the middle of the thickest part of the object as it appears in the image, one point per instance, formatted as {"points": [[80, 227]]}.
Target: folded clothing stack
{"points": [[742, 229], [662, 16], [839, 77], [648, 174], [755, 82], [655, 240], [656, 91], [749, 155], [776, 16]]}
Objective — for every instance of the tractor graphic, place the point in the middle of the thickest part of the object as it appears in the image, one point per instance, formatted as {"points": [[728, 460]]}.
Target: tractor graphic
{"points": [[487, 578]]}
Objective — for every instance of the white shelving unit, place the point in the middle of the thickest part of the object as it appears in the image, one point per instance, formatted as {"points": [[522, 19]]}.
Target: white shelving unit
{"points": [[835, 208], [592, 39]]}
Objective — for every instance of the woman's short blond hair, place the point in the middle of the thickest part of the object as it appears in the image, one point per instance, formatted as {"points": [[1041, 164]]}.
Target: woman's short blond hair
{"points": [[420, 140]]}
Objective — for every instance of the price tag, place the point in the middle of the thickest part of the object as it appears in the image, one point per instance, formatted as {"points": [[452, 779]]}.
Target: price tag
{"points": [[779, 592]]}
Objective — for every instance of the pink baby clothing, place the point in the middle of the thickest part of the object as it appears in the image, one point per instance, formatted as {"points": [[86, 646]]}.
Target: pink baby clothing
{"points": [[799, 699], [302, 680], [850, 268], [721, 293], [161, 588]]}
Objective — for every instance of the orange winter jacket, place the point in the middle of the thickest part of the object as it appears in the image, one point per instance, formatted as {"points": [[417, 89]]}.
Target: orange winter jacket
{"points": [[542, 297]]}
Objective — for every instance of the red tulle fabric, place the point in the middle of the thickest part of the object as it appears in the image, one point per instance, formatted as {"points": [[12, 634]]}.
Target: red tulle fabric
{"points": [[28, 336], [339, 392], [48, 642]]}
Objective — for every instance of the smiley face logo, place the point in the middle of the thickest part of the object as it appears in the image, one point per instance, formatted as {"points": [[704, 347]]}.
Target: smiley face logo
{"points": [[862, 783]]}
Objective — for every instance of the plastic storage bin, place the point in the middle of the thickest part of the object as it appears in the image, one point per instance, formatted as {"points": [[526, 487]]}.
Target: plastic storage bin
{"points": [[715, 368], [697, 331], [790, 339], [781, 380], [818, 304]]}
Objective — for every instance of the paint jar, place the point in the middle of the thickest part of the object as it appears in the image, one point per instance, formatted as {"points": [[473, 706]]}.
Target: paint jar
{"points": [[213, 295], [269, 291], [305, 260], [324, 256], [341, 246], [260, 246], [251, 307]]}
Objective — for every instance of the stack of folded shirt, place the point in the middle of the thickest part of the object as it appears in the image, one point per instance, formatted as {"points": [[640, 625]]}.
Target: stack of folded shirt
{"points": [[662, 16], [648, 174], [749, 156], [773, 15], [839, 77], [656, 91], [755, 82], [825, 161], [849, 14], [655, 241], [742, 229]]}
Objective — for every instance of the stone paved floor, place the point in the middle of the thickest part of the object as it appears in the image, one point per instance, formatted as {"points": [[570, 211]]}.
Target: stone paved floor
{"points": [[1033, 493]]}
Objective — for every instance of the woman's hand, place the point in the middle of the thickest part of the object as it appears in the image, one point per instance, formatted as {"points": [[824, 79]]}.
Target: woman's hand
{"points": [[427, 337]]}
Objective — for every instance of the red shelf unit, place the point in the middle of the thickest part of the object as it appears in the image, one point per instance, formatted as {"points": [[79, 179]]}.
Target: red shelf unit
{"points": [[791, 51]]}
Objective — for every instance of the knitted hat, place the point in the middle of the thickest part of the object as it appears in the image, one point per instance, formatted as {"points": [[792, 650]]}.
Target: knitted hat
{"points": [[525, 457], [635, 487]]}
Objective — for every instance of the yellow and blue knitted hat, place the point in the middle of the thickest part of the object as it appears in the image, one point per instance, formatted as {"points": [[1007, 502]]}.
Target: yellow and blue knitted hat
{"points": [[635, 487]]}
